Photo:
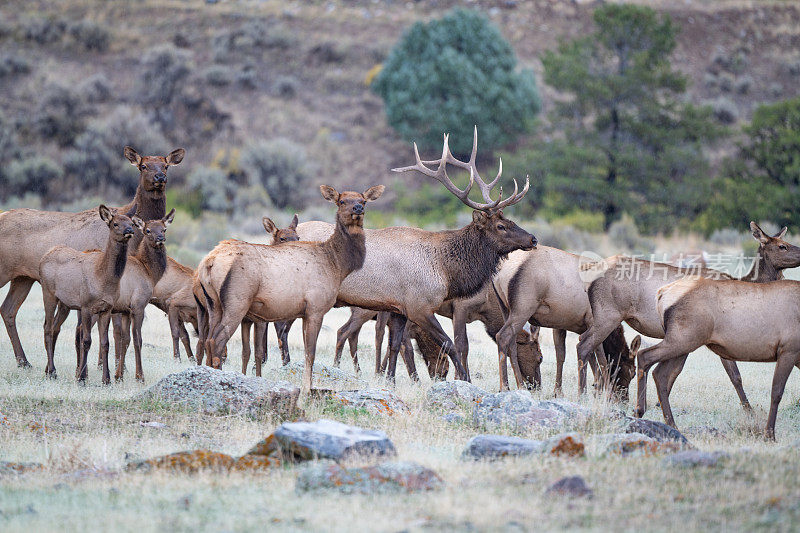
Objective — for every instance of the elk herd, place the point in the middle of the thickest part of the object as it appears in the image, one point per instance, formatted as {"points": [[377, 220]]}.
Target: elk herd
{"points": [[109, 263]]}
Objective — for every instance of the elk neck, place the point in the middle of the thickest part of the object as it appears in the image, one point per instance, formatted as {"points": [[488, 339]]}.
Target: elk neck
{"points": [[347, 247], [762, 270], [115, 257], [150, 205], [154, 260], [468, 259]]}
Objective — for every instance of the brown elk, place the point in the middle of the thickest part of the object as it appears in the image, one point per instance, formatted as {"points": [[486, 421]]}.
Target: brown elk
{"points": [[544, 287], [625, 290], [737, 320], [26, 235], [412, 272], [88, 281], [173, 295], [292, 280]]}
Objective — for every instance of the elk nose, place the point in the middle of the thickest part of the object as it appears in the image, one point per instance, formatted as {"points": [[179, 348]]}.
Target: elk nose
{"points": [[358, 209], [534, 242], [160, 177], [128, 231]]}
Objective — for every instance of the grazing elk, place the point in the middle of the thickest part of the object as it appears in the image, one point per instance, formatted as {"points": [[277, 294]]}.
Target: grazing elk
{"points": [[737, 320], [26, 235], [88, 281], [292, 280], [545, 287], [412, 272], [625, 290]]}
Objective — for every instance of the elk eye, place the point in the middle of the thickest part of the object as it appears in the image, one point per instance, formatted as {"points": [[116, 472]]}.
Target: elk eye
{"points": [[283, 239], [782, 247], [147, 231], [116, 225], [501, 227]]}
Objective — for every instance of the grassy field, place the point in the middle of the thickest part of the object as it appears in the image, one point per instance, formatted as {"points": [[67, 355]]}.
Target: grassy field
{"points": [[97, 427]]}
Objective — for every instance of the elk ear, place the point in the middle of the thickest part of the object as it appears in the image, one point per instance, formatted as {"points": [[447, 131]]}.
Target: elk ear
{"points": [[636, 343], [105, 214], [758, 233], [269, 226], [479, 217], [329, 193], [167, 220], [175, 156], [373, 193], [138, 222], [132, 211], [781, 233], [534, 334], [132, 156], [295, 220]]}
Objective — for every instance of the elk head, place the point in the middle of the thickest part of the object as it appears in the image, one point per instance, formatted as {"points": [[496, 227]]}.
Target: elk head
{"points": [[121, 226], [503, 234], [281, 235], [153, 169], [155, 231], [529, 355], [350, 212], [775, 250]]}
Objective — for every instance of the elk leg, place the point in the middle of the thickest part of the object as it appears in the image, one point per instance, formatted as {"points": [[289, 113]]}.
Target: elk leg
{"points": [[352, 342], [103, 321], [460, 336], [282, 331], [202, 330], [17, 292], [669, 348], [408, 358], [736, 379], [260, 344], [505, 338], [560, 344], [81, 372], [50, 306], [588, 343], [661, 375], [184, 336], [311, 327], [397, 327], [246, 326], [231, 317], [381, 321], [432, 326], [138, 318], [122, 341], [175, 327], [786, 361]]}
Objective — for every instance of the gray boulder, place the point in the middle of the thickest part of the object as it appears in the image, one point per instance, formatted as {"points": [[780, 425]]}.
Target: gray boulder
{"points": [[518, 410], [375, 401], [214, 391], [385, 477], [453, 418], [656, 430], [499, 446], [328, 439], [448, 395], [574, 486], [636, 445], [694, 458], [323, 376]]}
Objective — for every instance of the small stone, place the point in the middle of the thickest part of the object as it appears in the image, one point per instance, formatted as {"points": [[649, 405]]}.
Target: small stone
{"points": [[656, 430], [570, 486], [638, 444], [375, 401], [516, 410], [567, 445], [694, 458], [157, 425], [450, 394], [453, 418], [328, 439], [385, 477], [499, 446], [189, 462]]}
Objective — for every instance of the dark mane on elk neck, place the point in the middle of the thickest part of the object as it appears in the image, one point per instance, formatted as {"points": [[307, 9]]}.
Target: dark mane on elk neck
{"points": [[154, 259], [347, 247], [150, 205], [469, 259]]}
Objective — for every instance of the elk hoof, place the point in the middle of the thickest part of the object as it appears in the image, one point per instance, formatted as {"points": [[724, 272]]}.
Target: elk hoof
{"points": [[216, 363], [119, 379], [140, 379], [23, 363], [51, 374]]}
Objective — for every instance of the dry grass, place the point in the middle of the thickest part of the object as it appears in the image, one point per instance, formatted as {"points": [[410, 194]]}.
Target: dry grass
{"points": [[99, 427]]}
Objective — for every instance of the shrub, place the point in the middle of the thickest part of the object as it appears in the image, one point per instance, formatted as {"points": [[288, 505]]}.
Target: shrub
{"points": [[33, 174], [725, 110], [96, 89], [43, 30], [624, 234], [283, 168], [775, 90], [451, 74], [726, 81], [286, 86], [743, 84], [252, 37], [218, 75], [792, 65], [60, 115], [325, 53], [214, 186], [247, 77], [165, 70], [90, 35], [710, 80], [11, 65]]}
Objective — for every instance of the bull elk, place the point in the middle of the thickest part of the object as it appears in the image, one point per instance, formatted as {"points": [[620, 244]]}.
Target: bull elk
{"points": [[88, 281], [292, 280], [26, 235], [626, 289], [412, 272]]}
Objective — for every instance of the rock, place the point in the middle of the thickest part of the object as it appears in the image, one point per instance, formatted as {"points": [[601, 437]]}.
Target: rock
{"points": [[705, 432], [16, 468], [327, 439], [453, 418], [694, 458], [157, 425], [250, 463], [516, 410], [385, 477], [323, 376], [222, 392], [567, 444], [638, 444], [450, 394], [656, 430], [570, 486], [499, 446], [189, 462], [375, 401]]}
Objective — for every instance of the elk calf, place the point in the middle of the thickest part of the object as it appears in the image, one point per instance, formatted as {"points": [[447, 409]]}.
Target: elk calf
{"points": [[293, 280], [87, 281]]}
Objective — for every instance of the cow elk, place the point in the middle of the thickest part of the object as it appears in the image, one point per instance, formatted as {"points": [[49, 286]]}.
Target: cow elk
{"points": [[87, 281], [411, 272], [292, 280], [26, 235]]}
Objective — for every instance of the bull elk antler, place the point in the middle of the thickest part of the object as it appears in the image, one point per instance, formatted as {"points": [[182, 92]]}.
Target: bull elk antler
{"points": [[440, 175]]}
